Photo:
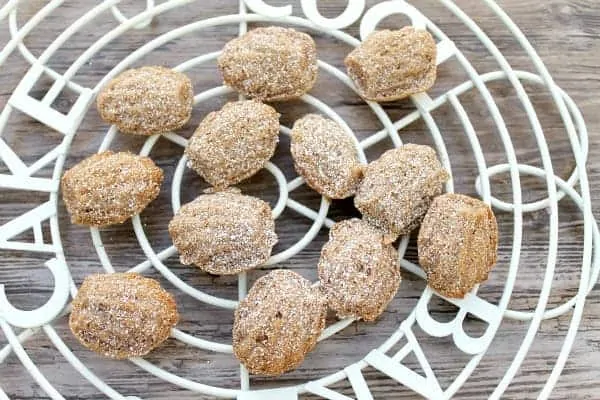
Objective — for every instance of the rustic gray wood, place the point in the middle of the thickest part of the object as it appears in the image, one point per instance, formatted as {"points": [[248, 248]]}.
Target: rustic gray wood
{"points": [[567, 35]]}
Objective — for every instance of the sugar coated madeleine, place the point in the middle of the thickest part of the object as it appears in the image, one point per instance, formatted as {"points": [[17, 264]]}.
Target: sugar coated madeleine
{"points": [[224, 233], [393, 64], [109, 188], [147, 101], [398, 188], [234, 143], [270, 64], [278, 323], [458, 244], [122, 315], [325, 156], [358, 271]]}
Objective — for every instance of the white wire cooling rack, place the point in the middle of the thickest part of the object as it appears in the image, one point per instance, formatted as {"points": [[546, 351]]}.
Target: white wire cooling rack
{"points": [[21, 178]]}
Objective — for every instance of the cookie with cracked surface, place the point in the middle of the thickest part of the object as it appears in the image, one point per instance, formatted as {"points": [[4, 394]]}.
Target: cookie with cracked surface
{"points": [[358, 271], [270, 64], [393, 64], [278, 323], [224, 233], [458, 244], [109, 188], [398, 188], [325, 156], [122, 315], [234, 143], [147, 100]]}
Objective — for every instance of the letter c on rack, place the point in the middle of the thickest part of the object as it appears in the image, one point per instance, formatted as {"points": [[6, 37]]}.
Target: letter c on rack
{"points": [[260, 7], [378, 12], [47, 312], [351, 14]]}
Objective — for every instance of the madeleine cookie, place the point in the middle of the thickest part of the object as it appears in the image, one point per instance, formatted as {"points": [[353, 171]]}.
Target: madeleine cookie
{"points": [[234, 143], [358, 271], [122, 315], [392, 65], [278, 323], [109, 188], [147, 100], [224, 233], [398, 188], [325, 156], [270, 64], [458, 244]]}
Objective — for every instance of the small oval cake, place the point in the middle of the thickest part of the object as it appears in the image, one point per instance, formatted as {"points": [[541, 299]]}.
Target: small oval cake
{"points": [[458, 244], [278, 323], [358, 271], [391, 65], [270, 64], [234, 143], [147, 100], [325, 156], [109, 188], [122, 315], [398, 188], [224, 233]]}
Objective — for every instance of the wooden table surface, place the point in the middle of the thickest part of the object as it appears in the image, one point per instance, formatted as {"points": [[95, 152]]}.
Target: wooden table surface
{"points": [[567, 36]]}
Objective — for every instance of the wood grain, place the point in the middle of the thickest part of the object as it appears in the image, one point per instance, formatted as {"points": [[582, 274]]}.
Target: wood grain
{"points": [[567, 35]]}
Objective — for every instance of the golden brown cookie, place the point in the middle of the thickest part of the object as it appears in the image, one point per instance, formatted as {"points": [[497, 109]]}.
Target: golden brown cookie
{"points": [[458, 244], [325, 156], [358, 271], [398, 188], [122, 315], [234, 143], [224, 233], [109, 188], [270, 64], [392, 65], [147, 100], [278, 323]]}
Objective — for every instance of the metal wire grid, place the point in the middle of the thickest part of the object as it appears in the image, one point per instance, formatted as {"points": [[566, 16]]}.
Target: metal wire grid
{"points": [[390, 365]]}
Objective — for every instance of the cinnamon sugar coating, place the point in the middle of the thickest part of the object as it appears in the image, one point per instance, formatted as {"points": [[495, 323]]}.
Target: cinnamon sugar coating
{"points": [[234, 143], [109, 188], [278, 323], [147, 100], [458, 244], [270, 64], [398, 188], [224, 233], [122, 315], [325, 157], [391, 65], [358, 271]]}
